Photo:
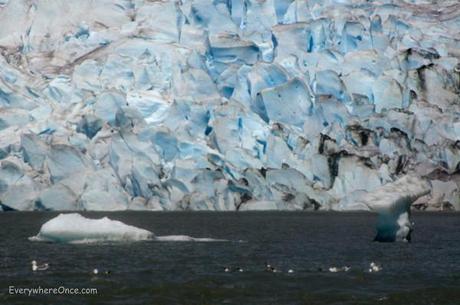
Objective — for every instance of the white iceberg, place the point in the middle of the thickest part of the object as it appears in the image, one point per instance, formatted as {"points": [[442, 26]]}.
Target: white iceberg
{"points": [[75, 229], [392, 202]]}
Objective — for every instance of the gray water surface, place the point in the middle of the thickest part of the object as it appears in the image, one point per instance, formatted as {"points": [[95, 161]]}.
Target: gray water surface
{"points": [[426, 271]]}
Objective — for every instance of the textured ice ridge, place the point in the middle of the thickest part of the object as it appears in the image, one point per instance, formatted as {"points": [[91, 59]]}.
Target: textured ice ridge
{"points": [[227, 105]]}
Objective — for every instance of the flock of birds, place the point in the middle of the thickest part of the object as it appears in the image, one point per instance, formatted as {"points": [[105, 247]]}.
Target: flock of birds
{"points": [[373, 267], [268, 268]]}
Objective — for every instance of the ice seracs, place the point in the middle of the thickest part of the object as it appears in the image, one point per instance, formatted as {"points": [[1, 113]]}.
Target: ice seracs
{"points": [[226, 105]]}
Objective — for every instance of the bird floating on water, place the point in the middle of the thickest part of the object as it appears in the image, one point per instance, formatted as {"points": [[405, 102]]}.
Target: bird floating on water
{"points": [[336, 269], [333, 269], [374, 267], [236, 269], [36, 267], [96, 271], [270, 268], [274, 270]]}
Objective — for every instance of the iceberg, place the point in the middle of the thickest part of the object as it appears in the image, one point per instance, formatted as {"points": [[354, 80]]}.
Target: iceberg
{"points": [[74, 228], [392, 202]]}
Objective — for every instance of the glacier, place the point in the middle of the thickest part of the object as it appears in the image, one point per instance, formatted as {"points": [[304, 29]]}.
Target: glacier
{"points": [[229, 104]]}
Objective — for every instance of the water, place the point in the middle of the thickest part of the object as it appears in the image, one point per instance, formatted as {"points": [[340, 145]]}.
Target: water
{"points": [[427, 271]]}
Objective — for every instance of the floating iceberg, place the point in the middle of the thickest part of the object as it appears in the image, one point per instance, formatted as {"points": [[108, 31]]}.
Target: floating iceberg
{"points": [[74, 228], [392, 202]]}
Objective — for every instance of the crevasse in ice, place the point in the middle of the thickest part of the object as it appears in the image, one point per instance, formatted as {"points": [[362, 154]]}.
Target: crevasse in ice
{"points": [[226, 105]]}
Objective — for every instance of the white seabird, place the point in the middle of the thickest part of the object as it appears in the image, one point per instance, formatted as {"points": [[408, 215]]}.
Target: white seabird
{"points": [[36, 267], [333, 269], [374, 267], [336, 269]]}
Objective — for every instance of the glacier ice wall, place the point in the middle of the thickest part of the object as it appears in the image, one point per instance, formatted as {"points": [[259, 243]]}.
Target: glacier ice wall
{"points": [[226, 104]]}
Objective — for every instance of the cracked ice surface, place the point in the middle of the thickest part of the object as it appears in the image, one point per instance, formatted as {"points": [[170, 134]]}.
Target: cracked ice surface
{"points": [[224, 105]]}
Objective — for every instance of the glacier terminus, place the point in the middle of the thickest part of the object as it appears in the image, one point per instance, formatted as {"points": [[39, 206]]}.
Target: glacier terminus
{"points": [[230, 105]]}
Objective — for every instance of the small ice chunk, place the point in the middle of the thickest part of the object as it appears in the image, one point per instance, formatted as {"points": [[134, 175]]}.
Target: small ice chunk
{"points": [[186, 238], [74, 228]]}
